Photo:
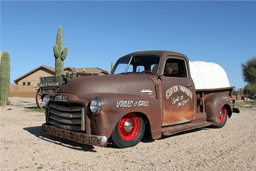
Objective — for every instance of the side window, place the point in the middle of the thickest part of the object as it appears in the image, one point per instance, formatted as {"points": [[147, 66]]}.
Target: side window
{"points": [[175, 68]]}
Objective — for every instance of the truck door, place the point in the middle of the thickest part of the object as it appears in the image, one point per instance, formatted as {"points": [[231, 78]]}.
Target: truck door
{"points": [[178, 97]]}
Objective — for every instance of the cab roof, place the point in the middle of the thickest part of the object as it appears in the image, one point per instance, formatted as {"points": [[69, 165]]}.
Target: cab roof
{"points": [[161, 53]]}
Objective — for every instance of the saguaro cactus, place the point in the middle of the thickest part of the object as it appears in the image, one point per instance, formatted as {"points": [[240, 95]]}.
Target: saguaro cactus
{"points": [[4, 77], [74, 72], [59, 54], [112, 66], [0, 70]]}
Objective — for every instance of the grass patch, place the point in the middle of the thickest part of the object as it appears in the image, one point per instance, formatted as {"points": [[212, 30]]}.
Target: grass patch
{"points": [[240, 103], [237, 104], [189, 152], [74, 164], [38, 110], [35, 110], [250, 102]]}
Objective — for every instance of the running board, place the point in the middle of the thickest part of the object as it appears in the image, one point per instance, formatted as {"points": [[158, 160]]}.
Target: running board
{"points": [[171, 130]]}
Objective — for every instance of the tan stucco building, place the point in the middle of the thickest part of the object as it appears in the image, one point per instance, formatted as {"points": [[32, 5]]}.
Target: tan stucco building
{"points": [[32, 77]]}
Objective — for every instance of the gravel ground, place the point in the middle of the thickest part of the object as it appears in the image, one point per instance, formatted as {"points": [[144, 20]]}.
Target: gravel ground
{"points": [[25, 147]]}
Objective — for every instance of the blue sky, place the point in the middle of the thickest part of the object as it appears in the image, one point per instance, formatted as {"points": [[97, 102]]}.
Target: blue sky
{"points": [[97, 33]]}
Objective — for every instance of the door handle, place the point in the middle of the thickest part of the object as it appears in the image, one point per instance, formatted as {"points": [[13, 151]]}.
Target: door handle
{"points": [[190, 85]]}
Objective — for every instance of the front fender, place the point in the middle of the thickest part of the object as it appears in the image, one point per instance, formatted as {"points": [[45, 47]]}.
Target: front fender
{"points": [[115, 106], [213, 104]]}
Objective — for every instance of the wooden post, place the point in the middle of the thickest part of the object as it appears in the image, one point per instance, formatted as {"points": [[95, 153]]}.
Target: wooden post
{"points": [[254, 95], [241, 94], [247, 95]]}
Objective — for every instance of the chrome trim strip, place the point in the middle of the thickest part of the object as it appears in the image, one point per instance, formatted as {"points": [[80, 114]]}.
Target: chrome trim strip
{"points": [[65, 108], [83, 119]]}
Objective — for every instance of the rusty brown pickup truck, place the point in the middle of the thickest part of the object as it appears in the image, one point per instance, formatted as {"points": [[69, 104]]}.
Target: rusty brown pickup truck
{"points": [[148, 93]]}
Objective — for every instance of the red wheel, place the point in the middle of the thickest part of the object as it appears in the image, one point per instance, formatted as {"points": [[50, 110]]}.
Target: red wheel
{"points": [[223, 111], [128, 131], [222, 118], [129, 126]]}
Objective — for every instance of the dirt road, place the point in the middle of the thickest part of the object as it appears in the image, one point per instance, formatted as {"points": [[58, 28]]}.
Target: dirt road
{"points": [[25, 147]]}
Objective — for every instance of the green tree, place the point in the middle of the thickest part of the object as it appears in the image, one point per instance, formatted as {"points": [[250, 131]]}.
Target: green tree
{"points": [[249, 74], [250, 87], [249, 71]]}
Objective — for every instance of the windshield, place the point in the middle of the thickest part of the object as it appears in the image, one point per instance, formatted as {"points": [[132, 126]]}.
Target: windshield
{"points": [[137, 64]]}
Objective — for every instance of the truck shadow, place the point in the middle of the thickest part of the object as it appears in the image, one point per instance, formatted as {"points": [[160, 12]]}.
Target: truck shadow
{"points": [[185, 132], [37, 131], [148, 139], [32, 107]]}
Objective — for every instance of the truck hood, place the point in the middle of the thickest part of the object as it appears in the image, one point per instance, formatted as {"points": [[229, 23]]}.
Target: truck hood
{"points": [[116, 84]]}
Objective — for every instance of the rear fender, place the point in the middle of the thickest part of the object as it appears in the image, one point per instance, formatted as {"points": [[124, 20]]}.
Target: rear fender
{"points": [[213, 104]]}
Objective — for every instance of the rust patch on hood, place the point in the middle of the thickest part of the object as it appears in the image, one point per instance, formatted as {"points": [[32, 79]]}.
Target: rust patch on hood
{"points": [[117, 84]]}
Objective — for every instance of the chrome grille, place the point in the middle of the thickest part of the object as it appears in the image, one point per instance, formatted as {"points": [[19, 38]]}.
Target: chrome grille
{"points": [[65, 116]]}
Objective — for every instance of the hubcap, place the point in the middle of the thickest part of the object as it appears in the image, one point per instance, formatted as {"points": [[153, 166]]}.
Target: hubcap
{"points": [[128, 126]]}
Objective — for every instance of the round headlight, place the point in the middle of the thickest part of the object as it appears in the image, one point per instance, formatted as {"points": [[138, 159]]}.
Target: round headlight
{"points": [[95, 105], [45, 101]]}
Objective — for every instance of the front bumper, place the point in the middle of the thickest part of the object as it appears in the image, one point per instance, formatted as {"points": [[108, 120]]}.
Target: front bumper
{"points": [[95, 140]]}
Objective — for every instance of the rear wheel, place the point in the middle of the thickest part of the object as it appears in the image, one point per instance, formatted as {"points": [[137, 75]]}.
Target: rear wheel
{"points": [[128, 131], [223, 118]]}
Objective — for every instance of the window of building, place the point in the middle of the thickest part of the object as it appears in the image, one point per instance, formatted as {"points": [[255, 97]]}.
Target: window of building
{"points": [[24, 83], [28, 83]]}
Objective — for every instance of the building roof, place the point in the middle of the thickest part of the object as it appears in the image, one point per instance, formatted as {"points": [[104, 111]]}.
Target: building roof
{"points": [[51, 70], [48, 69], [96, 71]]}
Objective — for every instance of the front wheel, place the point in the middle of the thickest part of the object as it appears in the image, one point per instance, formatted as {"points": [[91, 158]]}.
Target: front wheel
{"points": [[128, 131], [223, 118]]}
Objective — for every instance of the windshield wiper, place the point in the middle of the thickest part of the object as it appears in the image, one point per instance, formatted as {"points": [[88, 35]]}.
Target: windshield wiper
{"points": [[128, 65]]}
